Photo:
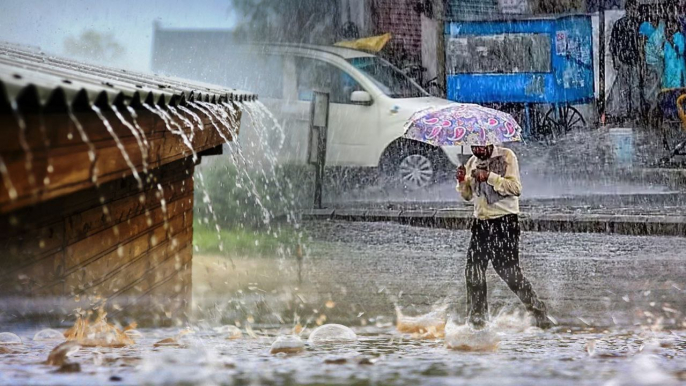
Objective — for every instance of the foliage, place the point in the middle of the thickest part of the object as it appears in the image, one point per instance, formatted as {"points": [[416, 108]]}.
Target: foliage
{"points": [[242, 242], [93, 45], [297, 21]]}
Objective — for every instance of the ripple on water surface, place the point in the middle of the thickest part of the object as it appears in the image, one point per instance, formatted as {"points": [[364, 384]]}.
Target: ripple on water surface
{"points": [[380, 355]]}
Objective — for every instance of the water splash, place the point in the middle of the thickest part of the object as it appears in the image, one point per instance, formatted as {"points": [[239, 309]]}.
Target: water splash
{"points": [[465, 338], [512, 322], [427, 326], [134, 333], [97, 333], [231, 332], [58, 355], [120, 146], [137, 134], [175, 341]]}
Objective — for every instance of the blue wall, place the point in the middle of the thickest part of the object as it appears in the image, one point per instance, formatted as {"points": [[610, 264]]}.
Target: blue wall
{"points": [[569, 81]]}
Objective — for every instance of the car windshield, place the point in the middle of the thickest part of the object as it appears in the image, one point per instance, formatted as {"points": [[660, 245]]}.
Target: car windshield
{"points": [[388, 78]]}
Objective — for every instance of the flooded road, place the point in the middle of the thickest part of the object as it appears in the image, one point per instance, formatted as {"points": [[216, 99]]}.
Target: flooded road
{"points": [[618, 299], [380, 357]]}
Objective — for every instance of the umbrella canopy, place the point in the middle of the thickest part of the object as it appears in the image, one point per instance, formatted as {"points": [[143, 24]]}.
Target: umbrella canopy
{"points": [[463, 125]]}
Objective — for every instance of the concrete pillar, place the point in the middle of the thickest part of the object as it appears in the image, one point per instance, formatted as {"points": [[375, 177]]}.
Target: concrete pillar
{"points": [[433, 43]]}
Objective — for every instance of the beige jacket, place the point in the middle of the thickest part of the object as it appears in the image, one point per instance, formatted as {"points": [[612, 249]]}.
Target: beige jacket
{"points": [[509, 186]]}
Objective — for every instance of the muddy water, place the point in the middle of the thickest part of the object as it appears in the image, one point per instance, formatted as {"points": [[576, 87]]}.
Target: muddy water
{"points": [[381, 356]]}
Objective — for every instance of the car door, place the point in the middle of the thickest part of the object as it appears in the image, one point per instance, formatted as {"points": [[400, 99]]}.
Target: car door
{"points": [[295, 115], [350, 124]]}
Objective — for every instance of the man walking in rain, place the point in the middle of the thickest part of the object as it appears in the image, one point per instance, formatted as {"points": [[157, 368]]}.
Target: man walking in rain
{"points": [[491, 179]]}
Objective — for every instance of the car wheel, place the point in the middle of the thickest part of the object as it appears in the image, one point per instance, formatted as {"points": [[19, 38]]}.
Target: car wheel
{"points": [[412, 167], [416, 171]]}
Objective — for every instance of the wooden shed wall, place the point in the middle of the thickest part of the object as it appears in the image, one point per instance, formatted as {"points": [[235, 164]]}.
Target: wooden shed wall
{"points": [[76, 241]]}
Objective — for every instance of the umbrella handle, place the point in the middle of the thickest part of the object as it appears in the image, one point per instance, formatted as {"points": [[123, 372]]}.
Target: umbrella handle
{"points": [[680, 110]]}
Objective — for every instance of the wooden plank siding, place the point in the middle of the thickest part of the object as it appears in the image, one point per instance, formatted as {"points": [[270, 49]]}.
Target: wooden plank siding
{"points": [[47, 136], [77, 240]]}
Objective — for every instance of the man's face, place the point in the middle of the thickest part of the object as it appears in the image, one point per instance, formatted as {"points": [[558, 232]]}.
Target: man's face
{"points": [[482, 152]]}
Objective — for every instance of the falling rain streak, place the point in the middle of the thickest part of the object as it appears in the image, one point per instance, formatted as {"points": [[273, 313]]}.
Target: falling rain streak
{"points": [[7, 181], [138, 134], [28, 154], [120, 146], [92, 153]]}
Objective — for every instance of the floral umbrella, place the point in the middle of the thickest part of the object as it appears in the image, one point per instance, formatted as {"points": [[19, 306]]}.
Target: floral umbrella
{"points": [[462, 125]]}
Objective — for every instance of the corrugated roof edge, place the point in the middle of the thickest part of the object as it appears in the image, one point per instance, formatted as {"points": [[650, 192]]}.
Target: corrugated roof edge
{"points": [[33, 80]]}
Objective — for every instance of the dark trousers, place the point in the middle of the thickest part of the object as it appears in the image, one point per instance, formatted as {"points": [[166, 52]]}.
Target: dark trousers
{"points": [[496, 241]]}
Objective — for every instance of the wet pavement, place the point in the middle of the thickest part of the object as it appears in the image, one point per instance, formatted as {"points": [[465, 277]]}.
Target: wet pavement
{"points": [[379, 357], [619, 301], [586, 279]]}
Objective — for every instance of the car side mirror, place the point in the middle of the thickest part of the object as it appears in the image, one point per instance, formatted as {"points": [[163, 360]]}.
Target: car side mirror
{"points": [[361, 98]]}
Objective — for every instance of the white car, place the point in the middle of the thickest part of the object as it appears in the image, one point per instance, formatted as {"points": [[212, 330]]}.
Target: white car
{"points": [[371, 100]]}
